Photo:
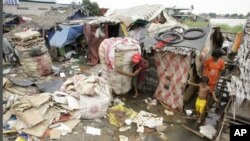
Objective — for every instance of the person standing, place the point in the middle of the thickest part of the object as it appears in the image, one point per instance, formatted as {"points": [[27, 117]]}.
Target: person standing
{"points": [[217, 38], [139, 72], [213, 67], [201, 100]]}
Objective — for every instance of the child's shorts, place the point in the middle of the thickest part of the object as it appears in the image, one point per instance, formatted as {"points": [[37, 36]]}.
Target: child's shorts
{"points": [[200, 105]]}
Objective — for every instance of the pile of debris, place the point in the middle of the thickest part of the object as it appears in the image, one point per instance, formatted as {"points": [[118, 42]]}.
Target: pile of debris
{"points": [[52, 114], [33, 54]]}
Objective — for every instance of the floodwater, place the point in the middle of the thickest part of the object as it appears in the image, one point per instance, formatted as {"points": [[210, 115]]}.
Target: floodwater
{"points": [[230, 22]]}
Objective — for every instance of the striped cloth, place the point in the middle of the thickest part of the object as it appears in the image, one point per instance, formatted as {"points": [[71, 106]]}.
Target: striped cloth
{"points": [[11, 2]]}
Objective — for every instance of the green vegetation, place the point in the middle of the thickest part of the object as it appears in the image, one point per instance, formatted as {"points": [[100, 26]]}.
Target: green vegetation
{"points": [[224, 27], [233, 29], [190, 23], [93, 7]]}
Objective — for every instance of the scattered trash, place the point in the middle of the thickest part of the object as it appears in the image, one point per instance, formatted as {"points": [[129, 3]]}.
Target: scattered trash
{"points": [[118, 101], [125, 128], [93, 131], [128, 121], [6, 71], [64, 129], [168, 113], [55, 134], [62, 74], [189, 112], [118, 114], [208, 131], [151, 102], [20, 138], [123, 138], [148, 119], [69, 54], [140, 129]]}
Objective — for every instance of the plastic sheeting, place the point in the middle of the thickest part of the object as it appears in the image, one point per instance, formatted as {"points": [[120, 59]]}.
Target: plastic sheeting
{"points": [[66, 35]]}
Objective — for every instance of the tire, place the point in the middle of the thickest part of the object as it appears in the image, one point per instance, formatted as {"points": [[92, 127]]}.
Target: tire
{"points": [[194, 37], [179, 37]]}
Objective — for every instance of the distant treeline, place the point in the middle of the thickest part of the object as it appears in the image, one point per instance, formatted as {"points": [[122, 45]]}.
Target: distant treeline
{"points": [[235, 15]]}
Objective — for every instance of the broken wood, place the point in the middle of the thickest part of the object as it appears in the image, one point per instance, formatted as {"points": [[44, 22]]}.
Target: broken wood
{"points": [[193, 131]]}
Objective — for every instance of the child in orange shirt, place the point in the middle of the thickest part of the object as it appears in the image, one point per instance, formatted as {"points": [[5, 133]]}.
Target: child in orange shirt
{"points": [[213, 67]]}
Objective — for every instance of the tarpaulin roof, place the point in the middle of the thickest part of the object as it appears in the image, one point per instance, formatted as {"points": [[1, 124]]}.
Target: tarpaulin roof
{"points": [[66, 35], [144, 12]]}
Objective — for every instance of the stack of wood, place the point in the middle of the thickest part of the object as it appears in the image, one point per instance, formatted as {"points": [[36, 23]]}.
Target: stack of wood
{"points": [[33, 54]]}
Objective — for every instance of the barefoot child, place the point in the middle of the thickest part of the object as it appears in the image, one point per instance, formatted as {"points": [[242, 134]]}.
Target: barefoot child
{"points": [[139, 71], [201, 101]]}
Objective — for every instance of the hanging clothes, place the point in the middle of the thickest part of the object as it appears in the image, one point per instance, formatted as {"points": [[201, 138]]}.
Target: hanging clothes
{"points": [[93, 42]]}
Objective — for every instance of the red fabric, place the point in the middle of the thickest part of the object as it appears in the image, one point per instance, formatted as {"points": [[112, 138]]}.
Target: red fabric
{"points": [[142, 74], [161, 44], [43, 67], [212, 70], [93, 43], [172, 70], [136, 58]]}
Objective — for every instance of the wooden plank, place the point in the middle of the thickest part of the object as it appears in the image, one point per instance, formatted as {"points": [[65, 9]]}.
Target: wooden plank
{"points": [[237, 119], [193, 131], [26, 35]]}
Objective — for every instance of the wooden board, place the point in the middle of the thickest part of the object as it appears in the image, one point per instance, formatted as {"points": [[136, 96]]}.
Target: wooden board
{"points": [[26, 35]]}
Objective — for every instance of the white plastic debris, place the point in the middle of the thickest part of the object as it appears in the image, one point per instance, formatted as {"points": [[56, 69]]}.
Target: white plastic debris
{"points": [[168, 113], [93, 131], [63, 129], [125, 128], [123, 138], [189, 112], [140, 129], [148, 119], [128, 121], [208, 131], [62, 74], [118, 101]]}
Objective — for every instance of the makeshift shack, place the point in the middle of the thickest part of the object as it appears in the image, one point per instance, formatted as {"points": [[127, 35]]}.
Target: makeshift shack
{"points": [[138, 24], [178, 63]]}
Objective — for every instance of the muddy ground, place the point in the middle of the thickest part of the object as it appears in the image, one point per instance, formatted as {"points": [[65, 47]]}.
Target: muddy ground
{"points": [[174, 131]]}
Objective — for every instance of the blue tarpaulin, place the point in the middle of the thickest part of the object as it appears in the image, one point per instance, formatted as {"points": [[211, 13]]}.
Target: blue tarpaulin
{"points": [[66, 35]]}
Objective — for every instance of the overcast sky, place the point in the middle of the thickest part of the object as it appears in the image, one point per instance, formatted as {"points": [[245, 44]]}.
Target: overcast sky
{"points": [[200, 6]]}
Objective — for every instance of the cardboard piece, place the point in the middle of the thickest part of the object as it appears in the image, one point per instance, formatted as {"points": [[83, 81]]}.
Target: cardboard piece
{"points": [[43, 109], [72, 102], [30, 117], [26, 35], [37, 130], [72, 123], [38, 100], [7, 116], [51, 115], [55, 134]]}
